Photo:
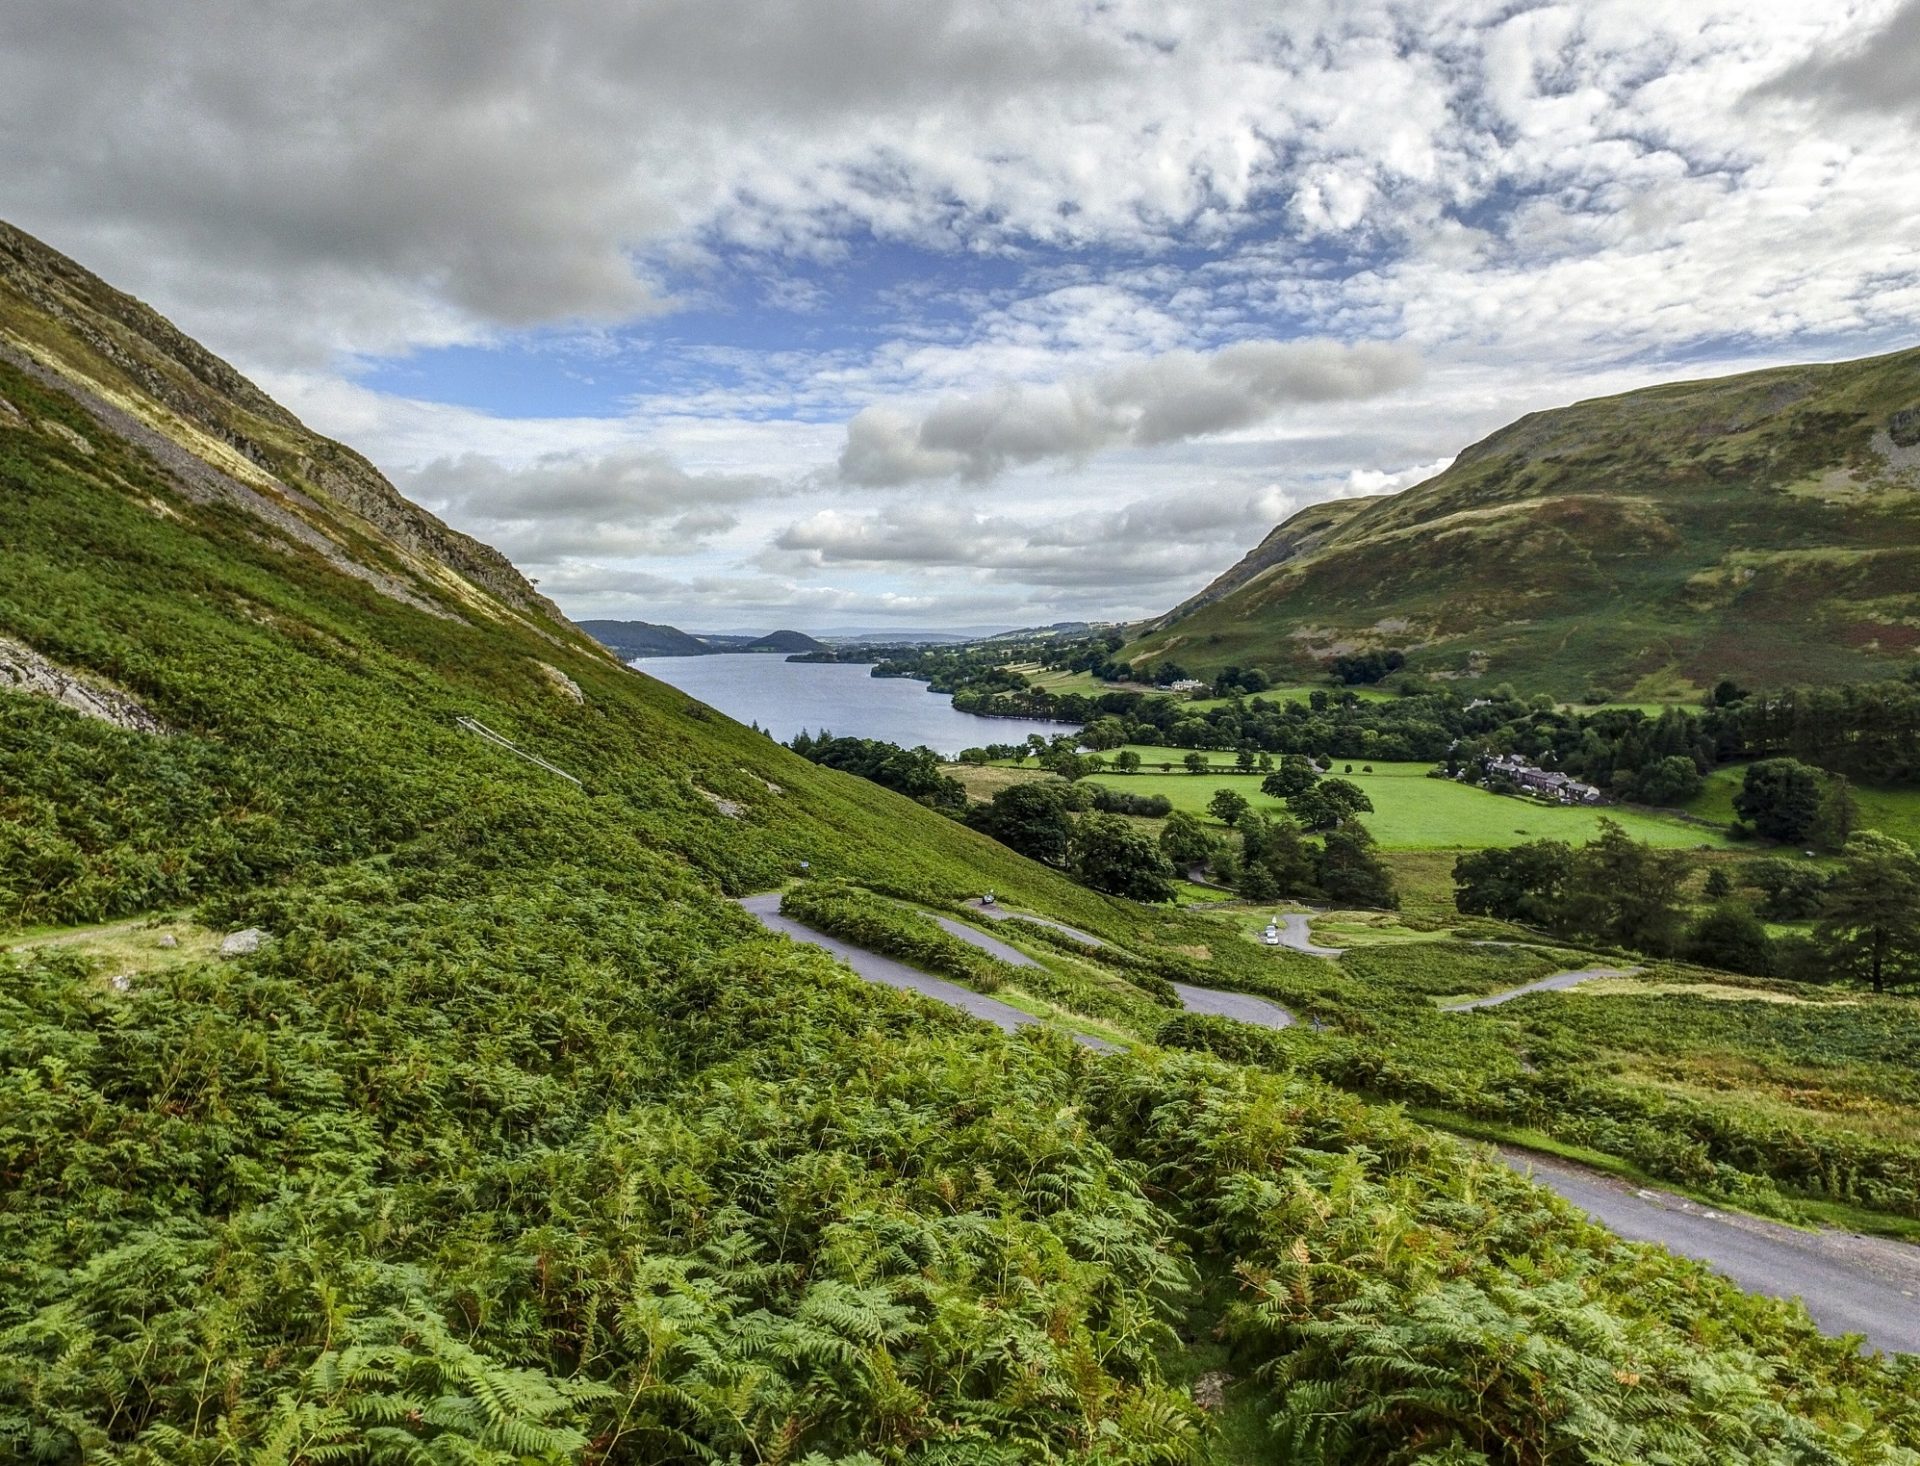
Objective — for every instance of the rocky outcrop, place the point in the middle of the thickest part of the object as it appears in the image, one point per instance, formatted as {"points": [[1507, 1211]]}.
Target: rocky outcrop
{"points": [[243, 943], [22, 669], [562, 683]]}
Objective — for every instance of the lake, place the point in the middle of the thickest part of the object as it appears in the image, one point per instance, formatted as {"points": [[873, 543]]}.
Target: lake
{"points": [[787, 698]]}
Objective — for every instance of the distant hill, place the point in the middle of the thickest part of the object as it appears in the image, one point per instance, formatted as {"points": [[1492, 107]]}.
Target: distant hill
{"points": [[1764, 526], [645, 639], [784, 641]]}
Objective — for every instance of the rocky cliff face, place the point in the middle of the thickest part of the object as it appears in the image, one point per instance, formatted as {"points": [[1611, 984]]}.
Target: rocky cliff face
{"points": [[142, 378], [22, 669]]}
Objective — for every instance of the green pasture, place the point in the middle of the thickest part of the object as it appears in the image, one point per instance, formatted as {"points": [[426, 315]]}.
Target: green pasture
{"points": [[1300, 693], [1413, 812], [1055, 680], [1891, 811]]}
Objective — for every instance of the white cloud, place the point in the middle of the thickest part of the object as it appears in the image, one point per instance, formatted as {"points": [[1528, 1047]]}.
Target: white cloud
{"points": [[1184, 206], [1163, 399], [561, 505]]}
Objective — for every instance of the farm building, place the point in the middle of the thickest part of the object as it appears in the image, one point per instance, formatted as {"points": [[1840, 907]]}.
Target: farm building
{"points": [[1536, 780]]}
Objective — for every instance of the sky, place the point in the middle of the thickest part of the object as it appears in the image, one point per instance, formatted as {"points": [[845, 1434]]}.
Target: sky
{"points": [[748, 313]]}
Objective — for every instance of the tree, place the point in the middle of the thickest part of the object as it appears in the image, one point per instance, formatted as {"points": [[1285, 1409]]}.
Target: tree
{"points": [[1525, 883], [1329, 803], [1185, 841], [1111, 855], [1671, 780], [1789, 889], [1780, 798], [1717, 886], [1227, 806], [1243, 760], [1622, 892], [1275, 860], [1732, 937], [1127, 761], [1195, 762], [1869, 922], [1031, 818], [1833, 825], [1351, 873], [1295, 775]]}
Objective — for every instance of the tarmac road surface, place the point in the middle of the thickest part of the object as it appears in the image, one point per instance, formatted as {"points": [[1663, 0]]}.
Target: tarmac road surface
{"points": [[1850, 1284], [890, 973], [1544, 985]]}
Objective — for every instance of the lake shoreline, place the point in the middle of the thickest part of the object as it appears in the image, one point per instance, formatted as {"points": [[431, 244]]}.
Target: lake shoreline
{"points": [[787, 697]]}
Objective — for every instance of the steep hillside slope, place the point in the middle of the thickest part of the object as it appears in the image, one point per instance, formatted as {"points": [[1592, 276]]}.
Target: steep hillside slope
{"points": [[224, 440], [513, 1139], [1764, 526]]}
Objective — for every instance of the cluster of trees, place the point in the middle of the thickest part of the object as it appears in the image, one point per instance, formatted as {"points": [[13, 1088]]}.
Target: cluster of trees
{"points": [[914, 772], [1318, 803], [1059, 825], [1783, 799], [1867, 731], [1358, 668], [1274, 859], [1617, 892], [1614, 891]]}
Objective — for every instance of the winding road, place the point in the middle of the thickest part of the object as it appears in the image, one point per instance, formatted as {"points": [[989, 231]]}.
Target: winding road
{"points": [[887, 972], [1296, 931], [1000, 913], [1244, 1006], [1544, 985], [992, 946], [1850, 1284], [1213, 1001]]}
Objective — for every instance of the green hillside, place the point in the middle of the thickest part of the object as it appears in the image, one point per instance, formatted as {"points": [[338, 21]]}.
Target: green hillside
{"points": [[644, 639], [784, 641], [1764, 527], [516, 1140]]}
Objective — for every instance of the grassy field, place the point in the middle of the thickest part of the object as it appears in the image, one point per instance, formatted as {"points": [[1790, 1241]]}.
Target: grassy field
{"points": [[131, 948], [1891, 811], [982, 782], [1413, 812], [1052, 680], [1299, 693]]}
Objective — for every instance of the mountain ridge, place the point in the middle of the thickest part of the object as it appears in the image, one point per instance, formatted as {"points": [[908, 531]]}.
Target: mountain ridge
{"points": [[1626, 543], [140, 376], [631, 639]]}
